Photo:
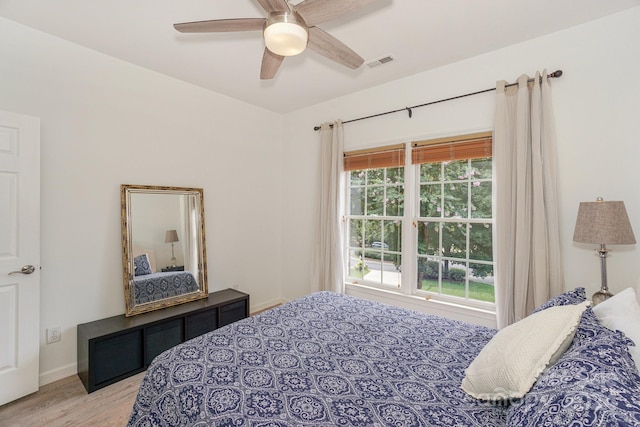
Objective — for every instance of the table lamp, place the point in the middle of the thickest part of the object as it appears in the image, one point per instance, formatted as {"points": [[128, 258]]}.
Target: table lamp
{"points": [[171, 237], [603, 223]]}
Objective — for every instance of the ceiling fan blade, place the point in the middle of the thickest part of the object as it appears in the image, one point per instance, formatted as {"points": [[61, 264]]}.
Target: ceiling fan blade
{"points": [[330, 47], [315, 12], [221, 25], [271, 6], [270, 64]]}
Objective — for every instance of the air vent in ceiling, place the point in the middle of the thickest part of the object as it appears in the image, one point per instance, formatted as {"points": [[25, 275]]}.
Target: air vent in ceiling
{"points": [[380, 61]]}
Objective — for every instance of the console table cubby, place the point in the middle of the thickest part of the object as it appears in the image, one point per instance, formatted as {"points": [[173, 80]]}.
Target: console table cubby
{"points": [[118, 347]]}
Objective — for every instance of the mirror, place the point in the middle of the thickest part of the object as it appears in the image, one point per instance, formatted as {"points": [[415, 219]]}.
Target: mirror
{"points": [[163, 247]]}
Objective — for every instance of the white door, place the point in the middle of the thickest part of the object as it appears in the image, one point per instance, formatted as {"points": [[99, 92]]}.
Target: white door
{"points": [[19, 253]]}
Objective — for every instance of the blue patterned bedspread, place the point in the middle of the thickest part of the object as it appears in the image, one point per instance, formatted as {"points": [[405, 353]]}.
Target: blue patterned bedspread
{"points": [[155, 286], [324, 360]]}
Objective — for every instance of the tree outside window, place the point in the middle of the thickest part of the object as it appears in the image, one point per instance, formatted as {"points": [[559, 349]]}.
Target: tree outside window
{"points": [[454, 229]]}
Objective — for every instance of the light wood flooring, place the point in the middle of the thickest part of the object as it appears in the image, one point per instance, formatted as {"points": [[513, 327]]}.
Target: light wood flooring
{"points": [[66, 403]]}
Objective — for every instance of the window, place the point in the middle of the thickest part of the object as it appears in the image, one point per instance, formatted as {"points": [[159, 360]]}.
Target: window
{"points": [[375, 224], [436, 214], [376, 213]]}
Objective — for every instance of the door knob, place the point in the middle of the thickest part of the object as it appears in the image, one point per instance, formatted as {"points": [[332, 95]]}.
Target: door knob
{"points": [[27, 269]]}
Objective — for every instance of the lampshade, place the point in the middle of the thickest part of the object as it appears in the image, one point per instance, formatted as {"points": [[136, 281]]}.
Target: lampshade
{"points": [[285, 34], [171, 236], [603, 222]]}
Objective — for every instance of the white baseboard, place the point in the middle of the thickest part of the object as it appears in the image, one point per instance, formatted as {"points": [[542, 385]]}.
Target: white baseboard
{"points": [[266, 305], [58, 374]]}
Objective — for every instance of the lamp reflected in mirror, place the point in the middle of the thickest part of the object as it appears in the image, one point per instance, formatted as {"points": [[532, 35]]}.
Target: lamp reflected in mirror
{"points": [[172, 237]]}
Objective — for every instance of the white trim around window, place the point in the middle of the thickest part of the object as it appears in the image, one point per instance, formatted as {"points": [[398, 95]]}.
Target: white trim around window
{"points": [[407, 294]]}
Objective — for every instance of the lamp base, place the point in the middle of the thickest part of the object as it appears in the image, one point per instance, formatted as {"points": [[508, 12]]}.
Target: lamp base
{"points": [[173, 263], [600, 296]]}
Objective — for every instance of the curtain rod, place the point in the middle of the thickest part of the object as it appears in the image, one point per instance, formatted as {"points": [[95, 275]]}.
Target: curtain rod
{"points": [[553, 75]]}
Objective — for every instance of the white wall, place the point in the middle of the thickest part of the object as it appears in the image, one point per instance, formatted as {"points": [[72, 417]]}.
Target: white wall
{"points": [[597, 106], [105, 123]]}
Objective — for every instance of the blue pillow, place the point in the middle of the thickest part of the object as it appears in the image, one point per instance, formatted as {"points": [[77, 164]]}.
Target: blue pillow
{"points": [[594, 383], [575, 296], [141, 265]]}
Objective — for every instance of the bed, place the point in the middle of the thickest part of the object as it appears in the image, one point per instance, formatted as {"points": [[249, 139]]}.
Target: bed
{"points": [[330, 359], [151, 285], [155, 286]]}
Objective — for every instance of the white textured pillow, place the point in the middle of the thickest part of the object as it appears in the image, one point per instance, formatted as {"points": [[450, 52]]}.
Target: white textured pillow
{"points": [[622, 312], [508, 366]]}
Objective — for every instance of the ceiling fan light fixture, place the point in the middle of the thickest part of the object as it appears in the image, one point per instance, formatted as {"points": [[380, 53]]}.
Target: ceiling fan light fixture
{"points": [[285, 34]]}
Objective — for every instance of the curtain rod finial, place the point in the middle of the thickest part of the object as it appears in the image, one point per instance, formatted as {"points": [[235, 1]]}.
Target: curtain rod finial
{"points": [[556, 74]]}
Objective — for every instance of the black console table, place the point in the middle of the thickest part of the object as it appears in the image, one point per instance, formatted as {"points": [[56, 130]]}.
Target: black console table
{"points": [[118, 347], [176, 268]]}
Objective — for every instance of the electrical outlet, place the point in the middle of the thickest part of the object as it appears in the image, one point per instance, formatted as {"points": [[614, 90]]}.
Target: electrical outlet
{"points": [[53, 334]]}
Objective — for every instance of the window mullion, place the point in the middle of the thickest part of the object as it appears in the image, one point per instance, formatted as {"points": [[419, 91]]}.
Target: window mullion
{"points": [[468, 239], [408, 250], [441, 230]]}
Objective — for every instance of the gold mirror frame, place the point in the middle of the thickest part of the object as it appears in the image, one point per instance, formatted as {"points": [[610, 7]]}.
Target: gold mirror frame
{"points": [[196, 237]]}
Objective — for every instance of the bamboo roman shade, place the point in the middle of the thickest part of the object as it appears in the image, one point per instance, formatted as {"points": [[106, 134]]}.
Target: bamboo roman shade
{"points": [[472, 146], [381, 157]]}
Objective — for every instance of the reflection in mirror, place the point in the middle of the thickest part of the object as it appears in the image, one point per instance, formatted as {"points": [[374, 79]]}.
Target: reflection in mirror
{"points": [[163, 247]]}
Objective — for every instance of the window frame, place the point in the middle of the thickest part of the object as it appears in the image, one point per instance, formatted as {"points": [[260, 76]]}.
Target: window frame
{"points": [[411, 215]]}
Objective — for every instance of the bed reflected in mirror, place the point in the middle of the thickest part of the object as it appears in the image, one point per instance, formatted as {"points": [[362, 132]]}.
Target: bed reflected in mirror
{"points": [[163, 247]]}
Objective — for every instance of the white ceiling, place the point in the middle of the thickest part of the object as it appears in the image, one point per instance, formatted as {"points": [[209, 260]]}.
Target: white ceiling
{"points": [[419, 34]]}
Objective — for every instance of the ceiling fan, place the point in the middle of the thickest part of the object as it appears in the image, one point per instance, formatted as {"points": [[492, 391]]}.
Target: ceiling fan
{"points": [[288, 30]]}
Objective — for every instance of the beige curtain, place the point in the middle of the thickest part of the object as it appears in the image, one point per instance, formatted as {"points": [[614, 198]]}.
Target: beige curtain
{"points": [[527, 240], [328, 260], [190, 233]]}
